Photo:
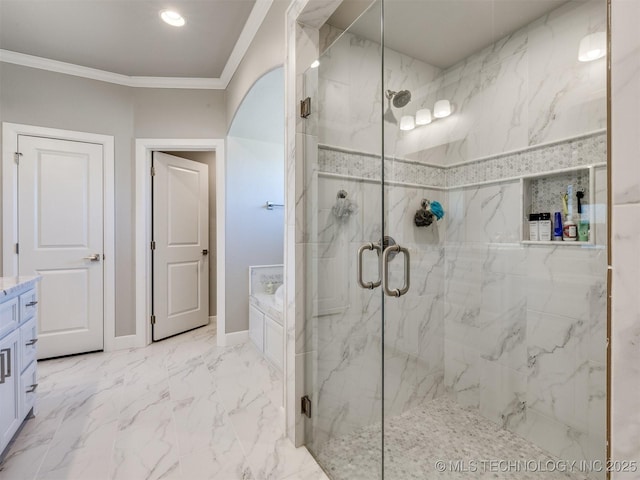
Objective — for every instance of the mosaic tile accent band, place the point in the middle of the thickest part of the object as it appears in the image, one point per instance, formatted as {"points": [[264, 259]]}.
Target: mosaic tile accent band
{"points": [[581, 151], [577, 152], [367, 165]]}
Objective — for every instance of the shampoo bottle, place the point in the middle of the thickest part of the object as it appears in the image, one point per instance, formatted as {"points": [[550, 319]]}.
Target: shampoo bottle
{"points": [[583, 219], [544, 227], [557, 226], [534, 225], [569, 228]]}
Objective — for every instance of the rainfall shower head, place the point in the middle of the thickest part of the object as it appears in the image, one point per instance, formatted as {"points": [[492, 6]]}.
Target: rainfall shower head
{"points": [[400, 99]]}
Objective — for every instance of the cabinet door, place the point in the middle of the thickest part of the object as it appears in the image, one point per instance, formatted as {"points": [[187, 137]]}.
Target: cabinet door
{"points": [[256, 327], [9, 316], [9, 387], [273, 341]]}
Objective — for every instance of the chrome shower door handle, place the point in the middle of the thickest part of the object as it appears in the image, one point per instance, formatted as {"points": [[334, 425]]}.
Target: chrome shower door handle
{"points": [[396, 292], [361, 282]]}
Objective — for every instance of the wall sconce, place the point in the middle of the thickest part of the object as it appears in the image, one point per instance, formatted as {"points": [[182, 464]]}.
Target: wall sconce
{"points": [[407, 123], [442, 109], [423, 117], [592, 47]]}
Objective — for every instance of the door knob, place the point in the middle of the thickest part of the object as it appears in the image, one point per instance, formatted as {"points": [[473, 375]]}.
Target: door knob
{"points": [[94, 258], [205, 252]]}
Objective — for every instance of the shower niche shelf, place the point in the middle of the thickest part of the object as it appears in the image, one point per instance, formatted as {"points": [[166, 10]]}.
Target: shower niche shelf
{"points": [[543, 193]]}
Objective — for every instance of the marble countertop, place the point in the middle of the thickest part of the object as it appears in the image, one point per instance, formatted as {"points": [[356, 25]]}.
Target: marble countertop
{"points": [[268, 305], [9, 285]]}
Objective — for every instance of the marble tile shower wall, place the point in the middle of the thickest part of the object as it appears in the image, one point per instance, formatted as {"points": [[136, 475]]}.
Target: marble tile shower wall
{"points": [[544, 94], [349, 101], [525, 335], [533, 75]]}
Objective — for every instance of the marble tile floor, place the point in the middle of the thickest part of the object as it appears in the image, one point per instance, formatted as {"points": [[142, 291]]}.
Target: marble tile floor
{"points": [[182, 408], [437, 430]]}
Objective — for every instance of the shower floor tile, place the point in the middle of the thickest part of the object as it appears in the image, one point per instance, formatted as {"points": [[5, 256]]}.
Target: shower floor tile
{"points": [[469, 445]]}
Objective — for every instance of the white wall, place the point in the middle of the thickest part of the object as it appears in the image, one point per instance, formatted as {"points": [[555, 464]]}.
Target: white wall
{"points": [[47, 99], [264, 54], [255, 175]]}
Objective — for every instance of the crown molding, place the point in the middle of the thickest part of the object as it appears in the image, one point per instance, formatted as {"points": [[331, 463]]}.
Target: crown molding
{"points": [[32, 61], [255, 19]]}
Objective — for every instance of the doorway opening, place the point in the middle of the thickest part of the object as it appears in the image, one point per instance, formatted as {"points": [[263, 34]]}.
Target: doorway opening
{"points": [[196, 149], [183, 266]]}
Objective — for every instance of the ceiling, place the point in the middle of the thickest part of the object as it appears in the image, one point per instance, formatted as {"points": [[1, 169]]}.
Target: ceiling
{"points": [[127, 37], [440, 32]]}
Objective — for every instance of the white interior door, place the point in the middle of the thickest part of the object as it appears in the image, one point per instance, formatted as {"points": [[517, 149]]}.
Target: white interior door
{"points": [[181, 236], [60, 234]]}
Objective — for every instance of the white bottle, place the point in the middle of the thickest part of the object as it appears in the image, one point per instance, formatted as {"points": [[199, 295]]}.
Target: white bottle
{"points": [[534, 227], [569, 230], [544, 227]]}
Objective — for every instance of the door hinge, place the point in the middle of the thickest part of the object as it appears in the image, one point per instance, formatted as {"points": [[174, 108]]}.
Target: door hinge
{"points": [[153, 171], [305, 107], [16, 157], [305, 405], [153, 245], [17, 248], [153, 319]]}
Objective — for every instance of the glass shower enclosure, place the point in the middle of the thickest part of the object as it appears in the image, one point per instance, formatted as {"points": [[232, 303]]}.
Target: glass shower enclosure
{"points": [[453, 331]]}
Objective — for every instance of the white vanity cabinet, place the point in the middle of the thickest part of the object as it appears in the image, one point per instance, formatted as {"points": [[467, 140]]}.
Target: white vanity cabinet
{"points": [[256, 327], [266, 334], [266, 312], [18, 337]]}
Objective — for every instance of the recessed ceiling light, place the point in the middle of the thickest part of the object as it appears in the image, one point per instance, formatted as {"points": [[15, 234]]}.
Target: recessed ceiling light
{"points": [[172, 17]]}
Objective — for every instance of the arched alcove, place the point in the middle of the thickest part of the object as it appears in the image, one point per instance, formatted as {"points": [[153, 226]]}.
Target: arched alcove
{"points": [[254, 235]]}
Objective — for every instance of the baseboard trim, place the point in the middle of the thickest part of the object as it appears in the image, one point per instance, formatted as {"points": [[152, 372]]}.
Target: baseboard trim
{"points": [[125, 342], [236, 338]]}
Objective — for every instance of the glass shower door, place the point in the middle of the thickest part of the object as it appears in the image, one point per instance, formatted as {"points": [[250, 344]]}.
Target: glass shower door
{"points": [[343, 210], [448, 334], [494, 360]]}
